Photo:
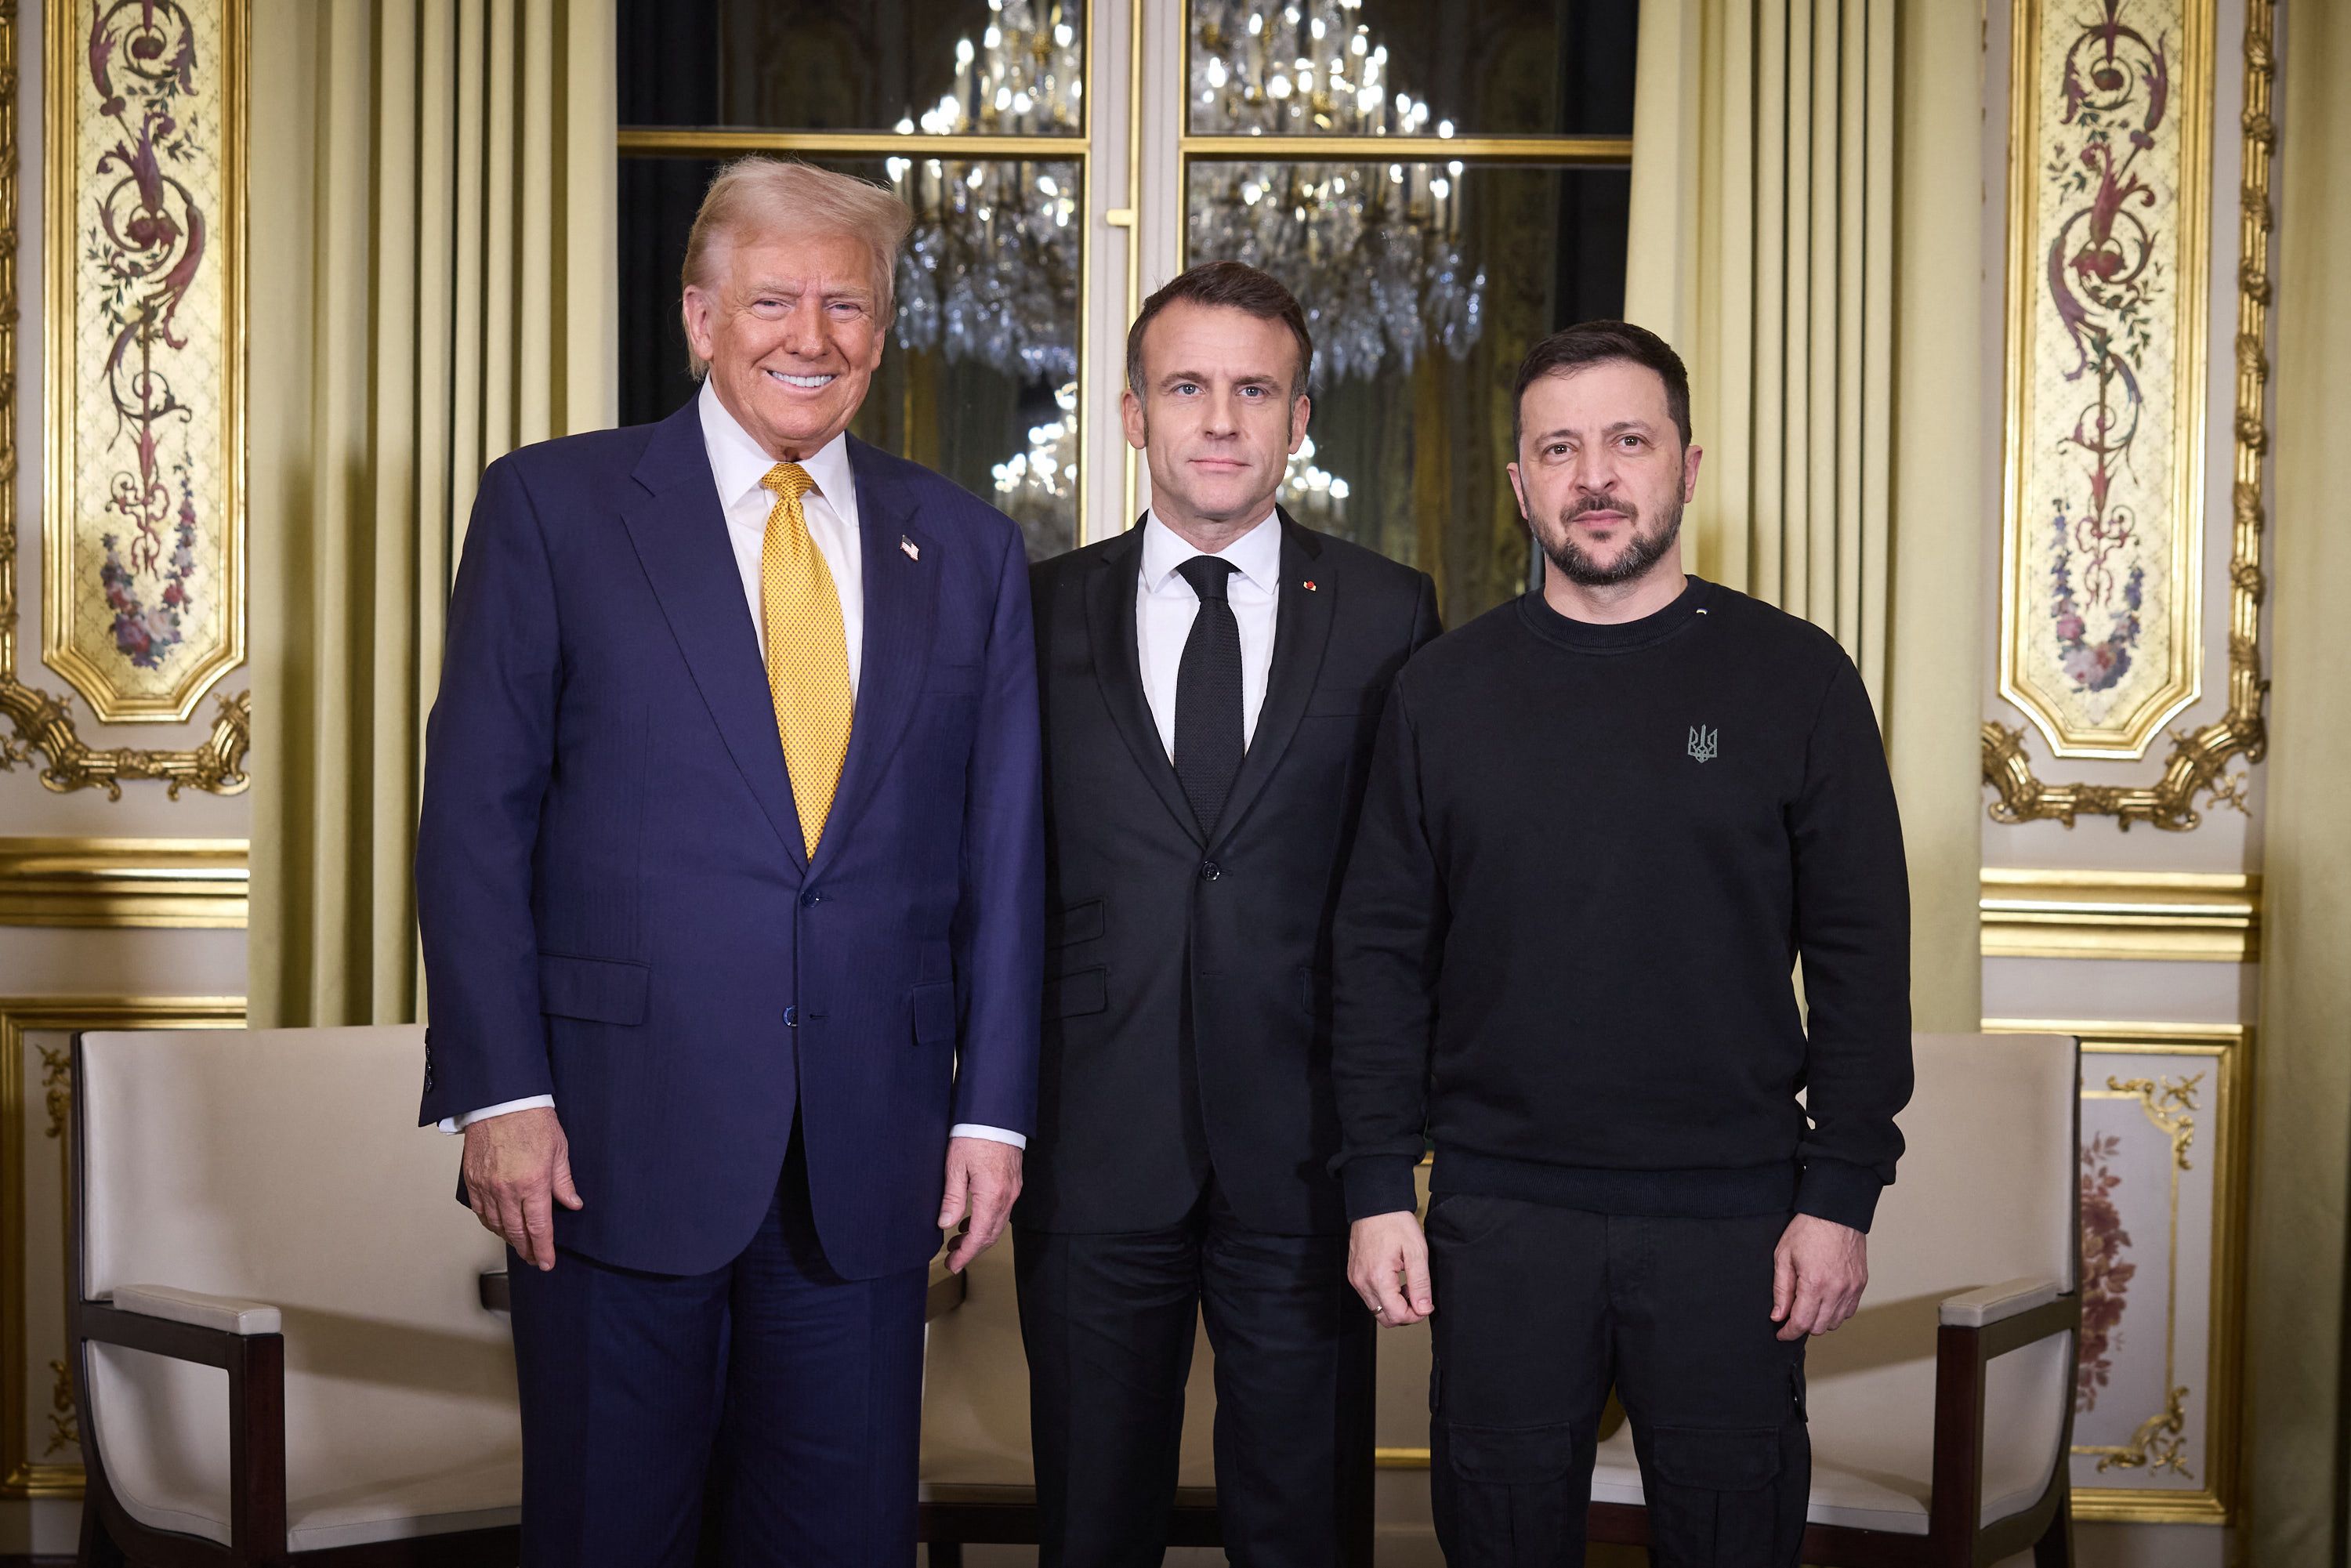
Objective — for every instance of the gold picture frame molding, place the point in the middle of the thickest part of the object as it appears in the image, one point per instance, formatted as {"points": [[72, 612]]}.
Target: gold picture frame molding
{"points": [[2227, 1121], [41, 731], [118, 884], [2195, 917], [21, 1474], [2199, 761]]}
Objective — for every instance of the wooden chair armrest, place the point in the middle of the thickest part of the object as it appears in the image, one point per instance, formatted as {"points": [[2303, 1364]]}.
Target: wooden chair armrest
{"points": [[1962, 1352], [1992, 1303], [256, 1364], [497, 1292], [230, 1314]]}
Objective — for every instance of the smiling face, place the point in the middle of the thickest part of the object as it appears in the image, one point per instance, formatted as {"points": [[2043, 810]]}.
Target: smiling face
{"points": [[1215, 420], [1602, 475], [793, 333]]}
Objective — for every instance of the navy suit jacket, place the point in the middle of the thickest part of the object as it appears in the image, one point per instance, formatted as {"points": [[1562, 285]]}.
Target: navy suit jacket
{"points": [[617, 909]]}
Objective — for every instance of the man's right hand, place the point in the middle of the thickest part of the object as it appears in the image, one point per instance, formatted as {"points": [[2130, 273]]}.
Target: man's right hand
{"points": [[1388, 1262], [518, 1166]]}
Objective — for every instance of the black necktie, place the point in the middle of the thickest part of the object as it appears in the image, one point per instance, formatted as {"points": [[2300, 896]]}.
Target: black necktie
{"points": [[1208, 743]]}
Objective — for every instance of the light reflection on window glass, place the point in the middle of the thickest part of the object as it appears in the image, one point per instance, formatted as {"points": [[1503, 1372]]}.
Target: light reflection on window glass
{"points": [[1412, 67], [998, 68]]}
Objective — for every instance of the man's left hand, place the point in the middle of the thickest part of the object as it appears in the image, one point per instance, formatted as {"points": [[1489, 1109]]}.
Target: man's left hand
{"points": [[1818, 1272], [983, 1178]]}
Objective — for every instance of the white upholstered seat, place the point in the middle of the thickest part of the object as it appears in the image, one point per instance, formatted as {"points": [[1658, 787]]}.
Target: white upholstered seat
{"points": [[283, 1169], [1984, 1195]]}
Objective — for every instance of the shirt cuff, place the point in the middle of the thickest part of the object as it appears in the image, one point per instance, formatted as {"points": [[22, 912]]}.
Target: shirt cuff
{"points": [[1379, 1184], [527, 1103], [1844, 1194], [993, 1134]]}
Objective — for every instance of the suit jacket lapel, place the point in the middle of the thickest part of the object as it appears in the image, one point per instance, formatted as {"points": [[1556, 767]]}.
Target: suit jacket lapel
{"points": [[1118, 670], [679, 529], [1301, 625], [901, 593]]}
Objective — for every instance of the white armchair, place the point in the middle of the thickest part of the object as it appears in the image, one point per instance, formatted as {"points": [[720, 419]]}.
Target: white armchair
{"points": [[1941, 1415], [260, 1204]]}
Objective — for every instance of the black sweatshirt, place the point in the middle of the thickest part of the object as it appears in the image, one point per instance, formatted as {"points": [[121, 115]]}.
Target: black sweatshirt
{"points": [[1589, 858]]}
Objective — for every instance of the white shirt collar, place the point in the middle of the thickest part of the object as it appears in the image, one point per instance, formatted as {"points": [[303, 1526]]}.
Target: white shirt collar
{"points": [[1255, 555], [738, 463]]}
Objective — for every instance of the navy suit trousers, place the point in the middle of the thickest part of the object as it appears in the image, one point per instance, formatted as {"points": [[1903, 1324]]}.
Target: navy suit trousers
{"points": [[765, 1413]]}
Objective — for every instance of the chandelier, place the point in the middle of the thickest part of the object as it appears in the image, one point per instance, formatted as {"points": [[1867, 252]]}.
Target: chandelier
{"points": [[992, 258], [1373, 251]]}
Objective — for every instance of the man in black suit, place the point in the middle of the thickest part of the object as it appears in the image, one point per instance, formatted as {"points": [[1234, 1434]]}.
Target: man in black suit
{"points": [[1211, 682]]}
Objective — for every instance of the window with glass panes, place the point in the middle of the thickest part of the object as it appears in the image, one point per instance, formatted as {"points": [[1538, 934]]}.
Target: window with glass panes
{"points": [[1441, 182]]}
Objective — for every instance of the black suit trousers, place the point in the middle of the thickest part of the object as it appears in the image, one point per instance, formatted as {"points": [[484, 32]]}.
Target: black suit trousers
{"points": [[1108, 1324]]}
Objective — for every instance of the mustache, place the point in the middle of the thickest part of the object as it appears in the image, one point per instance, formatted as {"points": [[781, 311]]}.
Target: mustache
{"points": [[1631, 513]]}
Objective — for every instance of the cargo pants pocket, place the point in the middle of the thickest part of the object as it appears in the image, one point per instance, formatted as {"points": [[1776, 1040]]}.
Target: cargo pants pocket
{"points": [[1510, 1497], [1727, 1497]]}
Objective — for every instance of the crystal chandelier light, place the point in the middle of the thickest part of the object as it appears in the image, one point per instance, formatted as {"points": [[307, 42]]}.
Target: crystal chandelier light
{"points": [[1373, 251], [994, 251]]}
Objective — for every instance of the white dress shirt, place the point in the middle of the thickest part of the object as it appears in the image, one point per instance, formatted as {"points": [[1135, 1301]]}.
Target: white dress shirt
{"points": [[738, 463], [1165, 607]]}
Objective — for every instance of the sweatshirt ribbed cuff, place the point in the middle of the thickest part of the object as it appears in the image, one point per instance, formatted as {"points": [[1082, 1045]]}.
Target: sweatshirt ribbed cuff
{"points": [[1379, 1184], [1834, 1190]]}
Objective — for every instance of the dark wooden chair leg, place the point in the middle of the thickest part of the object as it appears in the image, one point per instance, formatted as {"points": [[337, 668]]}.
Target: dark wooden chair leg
{"points": [[946, 1554], [2056, 1547], [98, 1548]]}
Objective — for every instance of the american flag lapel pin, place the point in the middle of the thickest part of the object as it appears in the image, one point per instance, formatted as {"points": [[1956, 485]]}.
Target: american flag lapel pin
{"points": [[1308, 585], [913, 551]]}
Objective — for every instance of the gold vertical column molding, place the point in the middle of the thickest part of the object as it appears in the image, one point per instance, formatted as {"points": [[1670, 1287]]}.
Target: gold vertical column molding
{"points": [[96, 882]]}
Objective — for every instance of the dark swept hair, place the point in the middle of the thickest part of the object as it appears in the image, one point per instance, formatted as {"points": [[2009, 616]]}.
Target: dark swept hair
{"points": [[1232, 285], [1598, 343]]}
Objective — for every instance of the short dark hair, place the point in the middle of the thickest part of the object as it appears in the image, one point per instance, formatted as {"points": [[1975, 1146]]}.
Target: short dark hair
{"points": [[1598, 343], [1232, 285]]}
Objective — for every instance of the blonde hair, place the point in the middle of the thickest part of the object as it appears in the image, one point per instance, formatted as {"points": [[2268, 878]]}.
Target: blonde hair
{"points": [[756, 196]]}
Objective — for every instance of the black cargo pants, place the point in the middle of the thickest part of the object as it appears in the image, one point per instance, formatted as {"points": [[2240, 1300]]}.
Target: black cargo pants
{"points": [[1538, 1310]]}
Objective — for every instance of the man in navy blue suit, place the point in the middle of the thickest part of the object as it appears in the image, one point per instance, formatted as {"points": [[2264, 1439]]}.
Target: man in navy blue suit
{"points": [[730, 875]]}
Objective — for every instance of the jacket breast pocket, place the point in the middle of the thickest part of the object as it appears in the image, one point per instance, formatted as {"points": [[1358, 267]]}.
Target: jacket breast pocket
{"points": [[602, 990]]}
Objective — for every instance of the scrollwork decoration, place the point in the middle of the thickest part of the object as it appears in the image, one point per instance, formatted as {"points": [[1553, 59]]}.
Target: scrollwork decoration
{"points": [[41, 733], [2199, 764]]}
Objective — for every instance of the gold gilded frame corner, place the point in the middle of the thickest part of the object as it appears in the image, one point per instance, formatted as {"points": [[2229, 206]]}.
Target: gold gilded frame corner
{"points": [[21, 1475], [2199, 761], [2229, 1122], [41, 731]]}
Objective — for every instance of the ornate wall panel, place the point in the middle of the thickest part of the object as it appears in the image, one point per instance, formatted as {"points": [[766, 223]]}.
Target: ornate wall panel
{"points": [[144, 535], [2103, 533], [143, 607], [39, 1451], [2101, 626], [2164, 1122]]}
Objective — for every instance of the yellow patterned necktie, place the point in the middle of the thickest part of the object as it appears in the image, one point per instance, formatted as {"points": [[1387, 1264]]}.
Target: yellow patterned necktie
{"points": [[808, 651]]}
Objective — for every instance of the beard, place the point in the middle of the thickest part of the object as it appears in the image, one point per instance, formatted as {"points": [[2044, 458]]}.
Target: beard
{"points": [[1642, 551]]}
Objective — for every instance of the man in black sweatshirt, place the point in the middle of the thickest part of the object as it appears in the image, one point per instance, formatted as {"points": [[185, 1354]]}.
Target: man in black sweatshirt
{"points": [[1603, 823]]}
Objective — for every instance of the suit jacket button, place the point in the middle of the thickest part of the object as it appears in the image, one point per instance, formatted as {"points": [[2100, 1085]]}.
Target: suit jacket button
{"points": [[792, 1017], [1210, 871], [809, 900]]}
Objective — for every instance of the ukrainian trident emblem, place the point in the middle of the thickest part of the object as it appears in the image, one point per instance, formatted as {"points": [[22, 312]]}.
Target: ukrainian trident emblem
{"points": [[1701, 742]]}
